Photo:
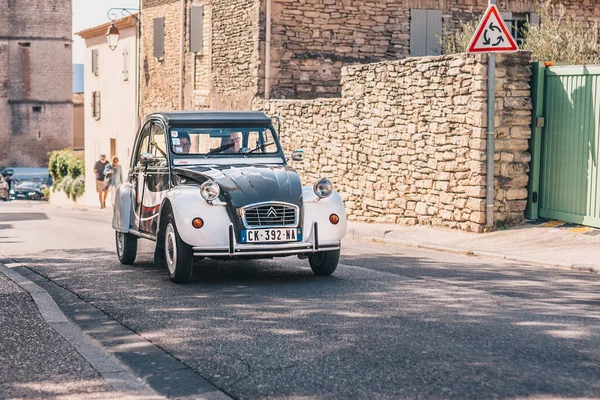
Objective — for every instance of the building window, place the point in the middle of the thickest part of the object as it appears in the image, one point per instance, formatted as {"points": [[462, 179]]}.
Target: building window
{"points": [[517, 23], [95, 62], [24, 44], [159, 38], [425, 32], [196, 28], [36, 109], [96, 105]]}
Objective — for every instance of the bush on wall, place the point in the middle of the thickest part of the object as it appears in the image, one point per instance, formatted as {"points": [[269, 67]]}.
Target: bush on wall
{"points": [[68, 172], [560, 37]]}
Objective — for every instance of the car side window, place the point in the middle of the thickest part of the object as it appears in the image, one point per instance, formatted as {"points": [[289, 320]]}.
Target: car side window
{"points": [[158, 145], [261, 141], [143, 145]]}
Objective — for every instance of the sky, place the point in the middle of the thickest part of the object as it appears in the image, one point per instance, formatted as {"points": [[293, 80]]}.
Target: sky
{"points": [[90, 13]]}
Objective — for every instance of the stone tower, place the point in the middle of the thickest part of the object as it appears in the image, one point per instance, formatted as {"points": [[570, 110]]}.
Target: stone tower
{"points": [[35, 81]]}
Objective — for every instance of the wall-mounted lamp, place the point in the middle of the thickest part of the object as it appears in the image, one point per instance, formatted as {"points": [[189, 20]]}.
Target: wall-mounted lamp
{"points": [[112, 34]]}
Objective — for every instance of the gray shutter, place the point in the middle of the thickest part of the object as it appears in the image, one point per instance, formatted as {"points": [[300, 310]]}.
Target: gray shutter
{"points": [[418, 32], [534, 19], [159, 37], [434, 32], [95, 62], [196, 28], [506, 16], [125, 64]]}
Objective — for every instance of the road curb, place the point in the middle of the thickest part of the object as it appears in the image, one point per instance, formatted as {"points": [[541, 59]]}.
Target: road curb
{"points": [[108, 366], [477, 253]]}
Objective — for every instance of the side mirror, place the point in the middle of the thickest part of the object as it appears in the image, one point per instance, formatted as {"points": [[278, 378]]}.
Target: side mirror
{"points": [[147, 158], [298, 155]]}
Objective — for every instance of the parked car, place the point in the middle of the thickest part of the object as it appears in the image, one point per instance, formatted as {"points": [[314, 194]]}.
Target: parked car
{"points": [[35, 174], [28, 190], [217, 184], [4, 194]]}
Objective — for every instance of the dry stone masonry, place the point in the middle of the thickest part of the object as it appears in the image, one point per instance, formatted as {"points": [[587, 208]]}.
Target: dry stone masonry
{"points": [[406, 141]]}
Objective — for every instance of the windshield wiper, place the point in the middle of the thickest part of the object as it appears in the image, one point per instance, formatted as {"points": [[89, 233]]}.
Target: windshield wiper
{"points": [[262, 146], [219, 149]]}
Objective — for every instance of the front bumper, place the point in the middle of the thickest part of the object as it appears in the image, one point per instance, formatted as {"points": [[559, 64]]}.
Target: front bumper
{"points": [[233, 249]]}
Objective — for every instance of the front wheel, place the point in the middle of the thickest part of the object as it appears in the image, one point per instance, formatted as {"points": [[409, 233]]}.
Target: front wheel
{"points": [[179, 255], [324, 263], [126, 247]]}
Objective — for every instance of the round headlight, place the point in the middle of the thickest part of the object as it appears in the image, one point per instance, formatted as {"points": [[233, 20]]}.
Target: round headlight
{"points": [[323, 188], [210, 190]]}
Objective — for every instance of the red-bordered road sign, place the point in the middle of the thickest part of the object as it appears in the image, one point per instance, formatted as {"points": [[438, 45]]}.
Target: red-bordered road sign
{"points": [[492, 35]]}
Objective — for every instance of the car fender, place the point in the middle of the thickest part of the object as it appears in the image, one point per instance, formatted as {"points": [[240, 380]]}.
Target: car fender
{"points": [[123, 212], [186, 204], [318, 210]]}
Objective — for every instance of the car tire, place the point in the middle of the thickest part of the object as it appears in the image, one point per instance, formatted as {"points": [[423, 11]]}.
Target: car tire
{"points": [[179, 256], [324, 263], [126, 247]]}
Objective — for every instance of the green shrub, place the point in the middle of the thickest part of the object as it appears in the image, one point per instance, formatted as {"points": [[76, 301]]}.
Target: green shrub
{"points": [[560, 37], [68, 172], [78, 187], [457, 40]]}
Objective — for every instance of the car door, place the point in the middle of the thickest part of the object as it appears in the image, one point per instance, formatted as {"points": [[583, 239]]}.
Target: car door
{"points": [[156, 179], [136, 172]]}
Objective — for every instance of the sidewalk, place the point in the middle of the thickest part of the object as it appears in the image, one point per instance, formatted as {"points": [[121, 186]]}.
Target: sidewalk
{"points": [[44, 355], [543, 243]]}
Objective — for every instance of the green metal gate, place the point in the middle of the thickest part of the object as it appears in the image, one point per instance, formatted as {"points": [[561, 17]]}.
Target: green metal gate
{"points": [[565, 145]]}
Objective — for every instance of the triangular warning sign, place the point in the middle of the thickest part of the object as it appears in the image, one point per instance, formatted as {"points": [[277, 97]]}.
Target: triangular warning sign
{"points": [[492, 35]]}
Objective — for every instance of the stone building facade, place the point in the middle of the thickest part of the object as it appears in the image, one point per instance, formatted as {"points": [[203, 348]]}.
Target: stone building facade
{"points": [[406, 142], [303, 52], [35, 80]]}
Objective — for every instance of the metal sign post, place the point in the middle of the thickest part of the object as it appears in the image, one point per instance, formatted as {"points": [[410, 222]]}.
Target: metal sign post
{"points": [[492, 36], [491, 118]]}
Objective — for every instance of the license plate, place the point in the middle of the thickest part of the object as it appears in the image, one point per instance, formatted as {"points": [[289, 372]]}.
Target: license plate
{"points": [[272, 235]]}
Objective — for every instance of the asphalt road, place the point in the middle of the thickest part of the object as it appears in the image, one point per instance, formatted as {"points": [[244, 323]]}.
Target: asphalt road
{"points": [[392, 322]]}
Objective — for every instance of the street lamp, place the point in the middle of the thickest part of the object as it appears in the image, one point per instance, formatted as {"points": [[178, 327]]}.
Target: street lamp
{"points": [[112, 34], [112, 37]]}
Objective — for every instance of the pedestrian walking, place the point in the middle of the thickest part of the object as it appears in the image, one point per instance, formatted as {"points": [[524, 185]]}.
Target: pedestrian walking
{"points": [[114, 176], [99, 171]]}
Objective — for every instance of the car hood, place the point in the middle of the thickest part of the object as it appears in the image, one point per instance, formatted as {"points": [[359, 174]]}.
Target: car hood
{"points": [[249, 184]]}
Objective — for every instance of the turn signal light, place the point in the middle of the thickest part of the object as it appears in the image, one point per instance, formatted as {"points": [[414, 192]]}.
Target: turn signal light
{"points": [[197, 223], [334, 219]]}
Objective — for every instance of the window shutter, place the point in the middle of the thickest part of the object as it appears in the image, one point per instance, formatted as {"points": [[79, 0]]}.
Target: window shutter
{"points": [[96, 105], [418, 32], [506, 16], [95, 62], [534, 19], [159, 37], [434, 32], [196, 28], [125, 64]]}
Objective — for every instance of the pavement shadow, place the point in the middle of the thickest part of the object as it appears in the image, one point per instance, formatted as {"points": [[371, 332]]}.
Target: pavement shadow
{"points": [[29, 216], [384, 326]]}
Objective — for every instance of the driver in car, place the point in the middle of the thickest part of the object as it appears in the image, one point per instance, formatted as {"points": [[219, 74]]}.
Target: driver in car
{"points": [[233, 143]]}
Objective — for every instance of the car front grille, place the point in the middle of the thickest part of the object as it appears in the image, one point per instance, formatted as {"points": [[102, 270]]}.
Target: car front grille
{"points": [[270, 215]]}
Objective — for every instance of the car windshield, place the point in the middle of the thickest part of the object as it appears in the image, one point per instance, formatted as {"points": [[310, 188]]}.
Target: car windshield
{"points": [[29, 185], [223, 141]]}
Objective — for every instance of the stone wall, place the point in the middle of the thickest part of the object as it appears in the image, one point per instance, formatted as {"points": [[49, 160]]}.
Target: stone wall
{"points": [[312, 40], [235, 58], [35, 81], [223, 76], [406, 141], [160, 77]]}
